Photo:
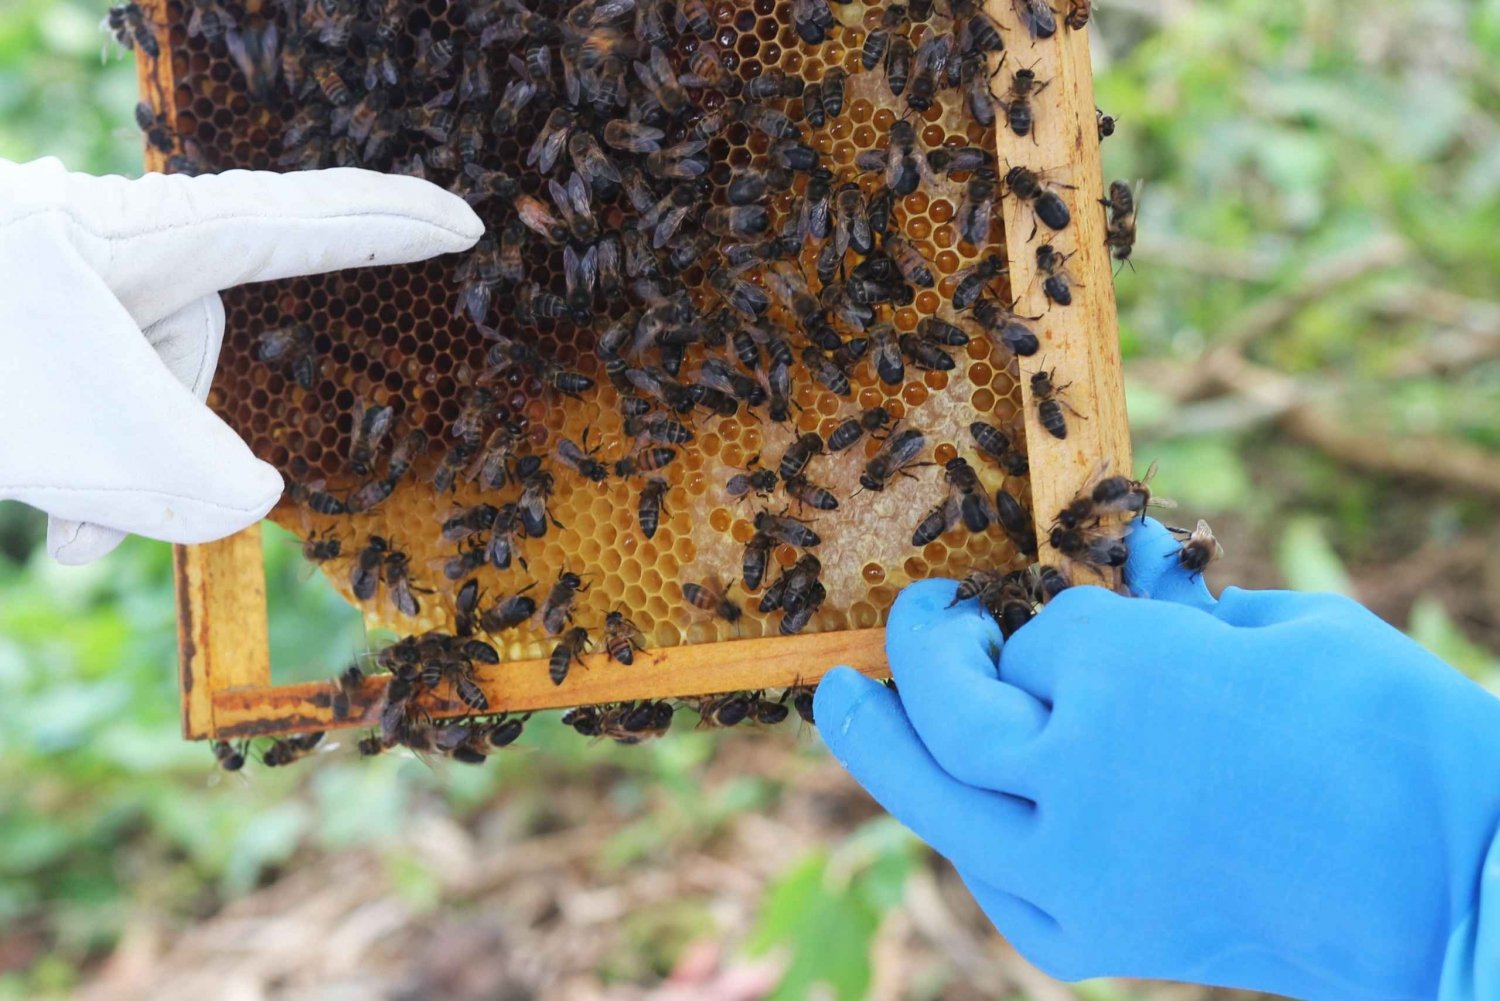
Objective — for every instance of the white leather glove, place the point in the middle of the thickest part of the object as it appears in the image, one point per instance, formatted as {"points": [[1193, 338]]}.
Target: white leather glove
{"points": [[110, 327]]}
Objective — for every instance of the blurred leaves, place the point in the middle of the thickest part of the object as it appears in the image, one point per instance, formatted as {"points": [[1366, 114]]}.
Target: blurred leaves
{"points": [[825, 912]]}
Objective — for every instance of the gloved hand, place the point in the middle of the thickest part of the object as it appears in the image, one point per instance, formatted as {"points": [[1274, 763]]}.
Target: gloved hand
{"points": [[1274, 791], [110, 327]]}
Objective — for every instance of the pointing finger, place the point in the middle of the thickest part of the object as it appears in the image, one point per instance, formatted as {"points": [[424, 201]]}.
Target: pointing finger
{"points": [[162, 241]]}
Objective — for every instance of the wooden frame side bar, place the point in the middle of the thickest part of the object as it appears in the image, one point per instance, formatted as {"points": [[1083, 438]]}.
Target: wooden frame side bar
{"points": [[1080, 342]]}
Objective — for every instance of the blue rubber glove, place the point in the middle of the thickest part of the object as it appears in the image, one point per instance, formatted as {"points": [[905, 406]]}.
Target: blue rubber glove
{"points": [[1274, 791]]}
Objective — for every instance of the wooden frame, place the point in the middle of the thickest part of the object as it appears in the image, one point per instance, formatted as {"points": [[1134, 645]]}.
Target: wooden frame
{"points": [[222, 619]]}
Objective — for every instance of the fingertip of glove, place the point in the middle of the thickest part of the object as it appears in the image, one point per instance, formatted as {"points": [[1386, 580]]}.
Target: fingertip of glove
{"points": [[841, 698], [919, 602]]}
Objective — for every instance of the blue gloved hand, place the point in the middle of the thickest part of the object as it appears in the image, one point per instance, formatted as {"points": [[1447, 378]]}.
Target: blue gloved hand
{"points": [[1274, 791]]}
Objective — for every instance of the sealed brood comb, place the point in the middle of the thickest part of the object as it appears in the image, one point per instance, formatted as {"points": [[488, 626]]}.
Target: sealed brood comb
{"points": [[743, 298]]}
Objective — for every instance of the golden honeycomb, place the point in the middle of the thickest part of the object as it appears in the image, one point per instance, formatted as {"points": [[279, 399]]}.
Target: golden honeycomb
{"points": [[398, 337]]}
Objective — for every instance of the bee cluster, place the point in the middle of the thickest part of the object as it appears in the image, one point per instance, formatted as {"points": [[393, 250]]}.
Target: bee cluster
{"points": [[742, 284]]}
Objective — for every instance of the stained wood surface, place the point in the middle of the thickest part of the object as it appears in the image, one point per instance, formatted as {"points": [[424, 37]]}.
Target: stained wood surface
{"points": [[224, 639]]}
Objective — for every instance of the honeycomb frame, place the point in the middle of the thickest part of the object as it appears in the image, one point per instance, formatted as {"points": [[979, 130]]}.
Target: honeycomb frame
{"points": [[227, 691]]}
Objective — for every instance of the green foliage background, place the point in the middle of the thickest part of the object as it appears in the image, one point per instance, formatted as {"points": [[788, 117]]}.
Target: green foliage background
{"points": [[1270, 136]]}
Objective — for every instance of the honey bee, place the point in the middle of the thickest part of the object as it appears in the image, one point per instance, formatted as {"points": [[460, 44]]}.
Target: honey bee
{"points": [[1089, 548], [1056, 284], [831, 91], [791, 531], [581, 459], [1049, 404], [661, 82], [491, 466], [1119, 235], [800, 582], [909, 261], [898, 62], [634, 722], [621, 637], [1016, 522], [292, 347], [557, 611], [1010, 604], [459, 672], [501, 547], [878, 40], [465, 607], [572, 202], [132, 29], [1199, 548], [1003, 325], [583, 719], [972, 280], [903, 167], [326, 78], [256, 52], [712, 596], [794, 622], [1038, 16], [799, 454], [564, 381], [977, 32], [321, 549], [995, 444], [156, 127], [1122, 495], [1017, 100], [756, 558], [1078, 13], [462, 523], [1107, 124], [477, 405], [536, 489], [370, 427], [897, 456], [766, 712], [706, 69], [696, 17], [812, 108], [632, 137], [871, 421], [1048, 582], [1028, 185], [399, 587], [535, 215], [812, 20], [720, 711], [930, 64], [346, 688], [797, 156], [569, 649], [937, 520], [315, 498], [507, 613], [471, 556], [283, 752], [744, 296], [364, 576], [889, 364], [974, 504], [458, 456], [925, 354], [976, 209], [646, 460], [809, 494], [977, 583], [230, 757]]}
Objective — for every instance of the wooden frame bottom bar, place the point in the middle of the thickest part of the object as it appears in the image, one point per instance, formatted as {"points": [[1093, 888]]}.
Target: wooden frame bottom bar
{"points": [[228, 692]]}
